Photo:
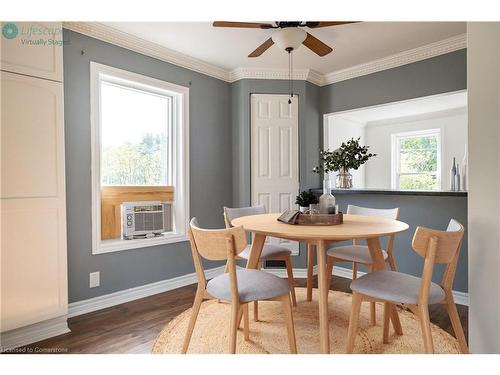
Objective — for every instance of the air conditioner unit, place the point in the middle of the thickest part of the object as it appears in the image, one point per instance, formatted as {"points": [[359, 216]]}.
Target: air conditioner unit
{"points": [[146, 219]]}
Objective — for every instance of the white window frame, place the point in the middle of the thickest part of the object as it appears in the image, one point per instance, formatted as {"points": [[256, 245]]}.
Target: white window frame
{"points": [[180, 152], [395, 154]]}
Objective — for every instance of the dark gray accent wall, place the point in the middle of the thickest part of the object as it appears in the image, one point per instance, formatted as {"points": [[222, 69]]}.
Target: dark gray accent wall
{"points": [[429, 211], [432, 76], [309, 135], [210, 167]]}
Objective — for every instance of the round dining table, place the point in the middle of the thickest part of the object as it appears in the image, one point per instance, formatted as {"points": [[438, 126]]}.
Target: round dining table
{"points": [[369, 228]]}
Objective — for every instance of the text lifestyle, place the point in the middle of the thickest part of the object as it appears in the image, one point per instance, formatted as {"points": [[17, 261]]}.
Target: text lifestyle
{"points": [[35, 31]]}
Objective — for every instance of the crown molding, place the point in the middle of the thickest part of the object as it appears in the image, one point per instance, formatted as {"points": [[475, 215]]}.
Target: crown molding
{"points": [[266, 73], [403, 58], [111, 35], [119, 38]]}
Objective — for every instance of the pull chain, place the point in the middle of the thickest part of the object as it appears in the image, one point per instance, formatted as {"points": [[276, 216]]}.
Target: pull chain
{"points": [[290, 72]]}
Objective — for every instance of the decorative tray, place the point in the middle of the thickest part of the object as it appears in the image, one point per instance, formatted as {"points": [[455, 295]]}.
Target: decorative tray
{"points": [[320, 219]]}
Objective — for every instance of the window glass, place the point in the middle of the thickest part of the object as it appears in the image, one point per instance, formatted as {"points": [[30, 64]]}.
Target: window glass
{"points": [[135, 136]]}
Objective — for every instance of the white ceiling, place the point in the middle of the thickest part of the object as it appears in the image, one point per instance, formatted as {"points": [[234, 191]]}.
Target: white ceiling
{"points": [[353, 43], [407, 108]]}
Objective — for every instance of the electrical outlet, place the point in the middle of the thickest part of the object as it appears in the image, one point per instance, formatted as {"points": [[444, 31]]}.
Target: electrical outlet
{"points": [[94, 279]]}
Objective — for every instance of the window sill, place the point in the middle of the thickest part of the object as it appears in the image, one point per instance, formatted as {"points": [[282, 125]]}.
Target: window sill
{"points": [[109, 246]]}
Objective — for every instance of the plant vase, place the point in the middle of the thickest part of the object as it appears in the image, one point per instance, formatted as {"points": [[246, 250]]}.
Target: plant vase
{"points": [[344, 179]]}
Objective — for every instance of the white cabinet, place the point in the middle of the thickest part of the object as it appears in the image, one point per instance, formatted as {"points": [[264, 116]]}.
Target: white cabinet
{"points": [[33, 202], [35, 50]]}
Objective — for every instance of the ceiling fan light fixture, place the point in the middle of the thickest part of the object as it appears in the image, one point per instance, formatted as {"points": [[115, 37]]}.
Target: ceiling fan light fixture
{"points": [[290, 37]]}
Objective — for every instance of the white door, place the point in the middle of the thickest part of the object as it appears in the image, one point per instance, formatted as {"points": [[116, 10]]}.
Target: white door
{"points": [[275, 156]]}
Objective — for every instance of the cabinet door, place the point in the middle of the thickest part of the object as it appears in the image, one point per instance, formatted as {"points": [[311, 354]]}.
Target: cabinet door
{"points": [[34, 49], [33, 214]]}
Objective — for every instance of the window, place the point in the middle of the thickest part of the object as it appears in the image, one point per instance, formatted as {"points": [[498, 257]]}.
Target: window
{"points": [[416, 160], [139, 139]]}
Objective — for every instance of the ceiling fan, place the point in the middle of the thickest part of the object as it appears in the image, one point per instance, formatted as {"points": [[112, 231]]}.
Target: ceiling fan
{"points": [[290, 36]]}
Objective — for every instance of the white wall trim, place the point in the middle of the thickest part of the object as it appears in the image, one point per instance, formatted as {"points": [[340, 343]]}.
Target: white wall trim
{"points": [[461, 298], [33, 333], [111, 35], [122, 296]]}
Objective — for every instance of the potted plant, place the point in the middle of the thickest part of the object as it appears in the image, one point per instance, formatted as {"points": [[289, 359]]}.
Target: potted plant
{"points": [[304, 199], [350, 155]]}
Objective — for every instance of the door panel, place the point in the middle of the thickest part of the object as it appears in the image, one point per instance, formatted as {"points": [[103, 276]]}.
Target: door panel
{"points": [[275, 165]]}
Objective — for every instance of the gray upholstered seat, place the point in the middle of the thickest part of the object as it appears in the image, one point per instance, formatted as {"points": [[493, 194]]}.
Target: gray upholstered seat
{"points": [[395, 287], [268, 252], [253, 285], [353, 253]]}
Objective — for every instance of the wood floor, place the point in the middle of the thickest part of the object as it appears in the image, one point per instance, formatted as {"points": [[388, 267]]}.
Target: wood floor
{"points": [[132, 327]]}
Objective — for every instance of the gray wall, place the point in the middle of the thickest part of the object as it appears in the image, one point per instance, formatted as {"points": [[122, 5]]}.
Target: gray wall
{"points": [[210, 167], [309, 135], [429, 211], [436, 75]]}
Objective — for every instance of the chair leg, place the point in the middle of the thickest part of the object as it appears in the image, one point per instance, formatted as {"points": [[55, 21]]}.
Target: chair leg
{"points": [[354, 270], [291, 281], [373, 309], [455, 323], [255, 311], [425, 324], [330, 261], [387, 318], [287, 307], [310, 260], [353, 321], [396, 323], [198, 299], [246, 322], [233, 328]]}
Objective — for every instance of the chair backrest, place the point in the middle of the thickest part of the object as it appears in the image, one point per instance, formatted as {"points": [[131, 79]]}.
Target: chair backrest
{"points": [[447, 242], [389, 213], [437, 246], [213, 243], [233, 213]]}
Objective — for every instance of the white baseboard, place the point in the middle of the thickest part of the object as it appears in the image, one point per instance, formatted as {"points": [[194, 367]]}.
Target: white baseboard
{"points": [[461, 298], [122, 296], [33, 333]]}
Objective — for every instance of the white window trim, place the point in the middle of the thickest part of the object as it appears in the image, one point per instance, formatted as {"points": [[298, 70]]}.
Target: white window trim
{"points": [[395, 154], [180, 178]]}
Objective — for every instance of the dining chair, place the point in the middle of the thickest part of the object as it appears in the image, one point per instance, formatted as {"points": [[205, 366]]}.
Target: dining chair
{"points": [[269, 252], [416, 293], [359, 254], [238, 287]]}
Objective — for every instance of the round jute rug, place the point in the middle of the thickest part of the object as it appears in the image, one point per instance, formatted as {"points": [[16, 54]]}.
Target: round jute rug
{"points": [[268, 335]]}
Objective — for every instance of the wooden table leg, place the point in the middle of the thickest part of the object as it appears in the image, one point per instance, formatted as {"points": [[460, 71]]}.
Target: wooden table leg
{"points": [[323, 298], [257, 245], [376, 253], [310, 266], [379, 265]]}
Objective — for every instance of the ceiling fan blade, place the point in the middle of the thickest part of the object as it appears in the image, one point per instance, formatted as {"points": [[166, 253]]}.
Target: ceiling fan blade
{"points": [[316, 45], [262, 48], [250, 25], [316, 24]]}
